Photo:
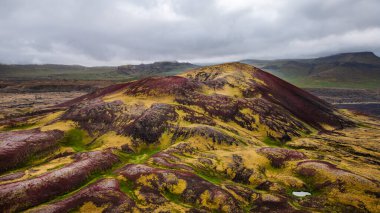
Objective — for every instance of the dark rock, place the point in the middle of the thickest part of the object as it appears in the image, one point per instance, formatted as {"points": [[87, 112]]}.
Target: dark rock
{"points": [[127, 149]]}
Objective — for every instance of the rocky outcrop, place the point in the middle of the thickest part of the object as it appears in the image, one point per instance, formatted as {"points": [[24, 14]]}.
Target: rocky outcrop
{"points": [[104, 193], [278, 156], [190, 188], [152, 123], [324, 174], [98, 117], [160, 86], [20, 195], [167, 160], [216, 136], [18, 146]]}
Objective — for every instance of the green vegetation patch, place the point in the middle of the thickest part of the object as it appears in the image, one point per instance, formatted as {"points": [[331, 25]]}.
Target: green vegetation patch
{"points": [[270, 141], [127, 188], [210, 178], [76, 139], [175, 198], [140, 157]]}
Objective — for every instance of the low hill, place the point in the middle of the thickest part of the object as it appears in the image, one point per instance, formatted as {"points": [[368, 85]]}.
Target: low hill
{"points": [[77, 72], [223, 138], [155, 68], [350, 70]]}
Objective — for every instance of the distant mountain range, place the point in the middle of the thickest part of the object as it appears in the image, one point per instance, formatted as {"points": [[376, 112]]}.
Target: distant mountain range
{"points": [[155, 68], [346, 70], [77, 72], [351, 70]]}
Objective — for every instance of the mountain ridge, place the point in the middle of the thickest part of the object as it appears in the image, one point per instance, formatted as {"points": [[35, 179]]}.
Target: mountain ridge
{"points": [[79, 72], [358, 69]]}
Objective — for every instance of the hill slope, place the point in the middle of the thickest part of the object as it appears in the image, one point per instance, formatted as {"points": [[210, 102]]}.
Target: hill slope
{"points": [[228, 138], [358, 70]]}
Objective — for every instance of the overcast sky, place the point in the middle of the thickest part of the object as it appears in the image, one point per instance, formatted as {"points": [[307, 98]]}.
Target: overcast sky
{"points": [[112, 32]]}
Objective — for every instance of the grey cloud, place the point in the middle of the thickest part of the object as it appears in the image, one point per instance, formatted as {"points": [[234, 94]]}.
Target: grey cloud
{"points": [[103, 32]]}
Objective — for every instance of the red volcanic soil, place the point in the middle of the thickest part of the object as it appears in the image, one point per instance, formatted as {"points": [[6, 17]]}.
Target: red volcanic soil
{"points": [[98, 93], [159, 86], [302, 104], [146, 86]]}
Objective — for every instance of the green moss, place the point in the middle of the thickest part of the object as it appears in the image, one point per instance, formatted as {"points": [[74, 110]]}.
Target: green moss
{"points": [[76, 139], [142, 156], [270, 141], [173, 197], [127, 188]]}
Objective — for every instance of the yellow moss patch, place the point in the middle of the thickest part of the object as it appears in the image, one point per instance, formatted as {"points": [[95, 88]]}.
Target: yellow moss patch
{"points": [[179, 187], [215, 202], [147, 101], [354, 199], [51, 116], [165, 140], [226, 90], [139, 196], [60, 125], [205, 199], [181, 119], [146, 180], [290, 181], [91, 207], [327, 127], [121, 177], [39, 170], [236, 196], [171, 207], [63, 149], [111, 139]]}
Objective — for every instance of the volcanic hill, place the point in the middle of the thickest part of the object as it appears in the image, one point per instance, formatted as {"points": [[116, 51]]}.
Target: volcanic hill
{"points": [[225, 138]]}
